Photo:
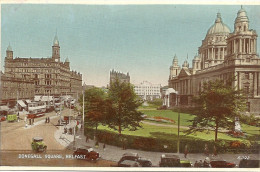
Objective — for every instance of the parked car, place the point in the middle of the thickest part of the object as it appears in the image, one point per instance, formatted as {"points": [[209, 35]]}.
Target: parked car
{"points": [[129, 163], [220, 163], [169, 160], [38, 145], [185, 163], [2, 118], [249, 163], [135, 157], [87, 152]]}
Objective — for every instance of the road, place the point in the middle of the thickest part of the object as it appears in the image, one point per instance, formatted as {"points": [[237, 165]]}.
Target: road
{"points": [[16, 139]]}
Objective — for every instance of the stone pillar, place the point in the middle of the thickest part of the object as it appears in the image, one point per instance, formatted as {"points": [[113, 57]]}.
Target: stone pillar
{"points": [[212, 53], [223, 53], [168, 100], [238, 80], [240, 45], [255, 84], [244, 45], [234, 42]]}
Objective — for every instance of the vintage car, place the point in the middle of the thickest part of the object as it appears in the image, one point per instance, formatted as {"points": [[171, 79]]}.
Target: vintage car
{"points": [[135, 157], [129, 163], [12, 118], [220, 163], [170, 160], [38, 145], [185, 163], [249, 163], [86, 153], [2, 118]]}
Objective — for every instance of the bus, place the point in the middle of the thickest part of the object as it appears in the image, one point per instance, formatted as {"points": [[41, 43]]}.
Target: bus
{"points": [[37, 109]]}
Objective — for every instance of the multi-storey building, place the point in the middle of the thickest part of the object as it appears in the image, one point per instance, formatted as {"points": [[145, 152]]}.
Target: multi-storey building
{"points": [[50, 75], [120, 76], [221, 55], [147, 90], [12, 88]]}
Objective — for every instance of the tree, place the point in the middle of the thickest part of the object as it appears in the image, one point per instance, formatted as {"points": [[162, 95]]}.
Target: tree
{"points": [[94, 107], [217, 105], [122, 104]]}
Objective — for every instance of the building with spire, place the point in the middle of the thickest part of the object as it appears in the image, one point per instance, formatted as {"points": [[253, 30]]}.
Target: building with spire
{"points": [[223, 54], [50, 75]]}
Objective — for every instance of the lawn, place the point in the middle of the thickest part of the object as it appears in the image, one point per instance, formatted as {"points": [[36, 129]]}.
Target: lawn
{"points": [[168, 133], [184, 118]]}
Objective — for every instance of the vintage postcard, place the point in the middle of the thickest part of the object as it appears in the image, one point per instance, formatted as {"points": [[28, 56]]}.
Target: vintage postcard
{"points": [[154, 86]]}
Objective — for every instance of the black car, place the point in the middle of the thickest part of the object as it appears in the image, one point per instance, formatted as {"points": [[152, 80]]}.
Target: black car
{"points": [[135, 157], [249, 163], [170, 160], [129, 163]]}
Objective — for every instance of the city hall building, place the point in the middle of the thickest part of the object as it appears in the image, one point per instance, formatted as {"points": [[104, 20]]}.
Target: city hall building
{"points": [[222, 54], [50, 76]]}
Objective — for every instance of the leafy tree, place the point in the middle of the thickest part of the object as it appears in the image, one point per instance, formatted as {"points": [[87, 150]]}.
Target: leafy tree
{"points": [[122, 104], [156, 102], [94, 107], [217, 106]]}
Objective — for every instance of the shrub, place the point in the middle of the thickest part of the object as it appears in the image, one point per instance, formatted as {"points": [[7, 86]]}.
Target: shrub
{"points": [[166, 145]]}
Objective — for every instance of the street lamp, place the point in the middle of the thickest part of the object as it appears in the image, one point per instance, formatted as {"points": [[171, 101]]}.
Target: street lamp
{"points": [[178, 143]]}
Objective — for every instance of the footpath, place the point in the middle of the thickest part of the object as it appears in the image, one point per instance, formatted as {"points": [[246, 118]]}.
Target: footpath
{"points": [[114, 153]]}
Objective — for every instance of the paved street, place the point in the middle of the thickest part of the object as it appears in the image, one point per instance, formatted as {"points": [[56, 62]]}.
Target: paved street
{"points": [[16, 140]]}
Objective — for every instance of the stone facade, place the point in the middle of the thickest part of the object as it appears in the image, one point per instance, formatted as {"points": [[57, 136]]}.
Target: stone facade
{"points": [[120, 76], [12, 89], [50, 75], [222, 55], [147, 90]]}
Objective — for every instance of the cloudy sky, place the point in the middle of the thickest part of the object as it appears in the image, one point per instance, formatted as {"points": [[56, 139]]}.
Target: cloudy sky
{"points": [[139, 39]]}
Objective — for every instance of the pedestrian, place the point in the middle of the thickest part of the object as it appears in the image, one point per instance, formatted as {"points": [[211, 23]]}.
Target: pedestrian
{"points": [[32, 121], [186, 151], [104, 147], [46, 120], [97, 144], [18, 117], [206, 150], [56, 113], [86, 138]]}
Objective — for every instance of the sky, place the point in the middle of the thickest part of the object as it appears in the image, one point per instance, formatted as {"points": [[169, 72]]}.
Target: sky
{"points": [[139, 39]]}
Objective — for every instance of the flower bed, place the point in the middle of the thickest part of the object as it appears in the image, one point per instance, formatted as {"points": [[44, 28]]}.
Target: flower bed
{"points": [[160, 119]]}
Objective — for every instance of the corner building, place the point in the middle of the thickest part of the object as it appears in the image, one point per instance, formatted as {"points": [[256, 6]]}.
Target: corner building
{"points": [[223, 54], [51, 76]]}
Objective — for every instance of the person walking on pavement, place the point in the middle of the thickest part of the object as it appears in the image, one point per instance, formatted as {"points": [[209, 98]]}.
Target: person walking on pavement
{"points": [[186, 151], [104, 147], [46, 120], [86, 138]]}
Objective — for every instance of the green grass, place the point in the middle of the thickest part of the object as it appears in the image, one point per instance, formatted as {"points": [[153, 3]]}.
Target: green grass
{"points": [[184, 118], [169, 133]]}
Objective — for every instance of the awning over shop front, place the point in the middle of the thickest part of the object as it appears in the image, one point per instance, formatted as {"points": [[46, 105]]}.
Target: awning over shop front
{"points": [[46, 98], [28, 101], [21, 103], [4, 108]]}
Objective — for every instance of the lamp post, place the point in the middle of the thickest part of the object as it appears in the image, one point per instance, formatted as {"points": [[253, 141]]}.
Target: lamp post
{"points": [[83, 111], [178, 143]]}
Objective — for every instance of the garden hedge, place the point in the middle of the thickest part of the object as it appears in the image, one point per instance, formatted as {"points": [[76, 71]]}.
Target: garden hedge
{"points": [[165, 145]]}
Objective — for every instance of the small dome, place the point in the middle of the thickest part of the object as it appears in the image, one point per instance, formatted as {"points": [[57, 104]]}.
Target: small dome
{"points": [[218, 26], [56, 41], [67, 60], [185, 64], [9, 48], [196, 58], [241, 16], [175, 59]]}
